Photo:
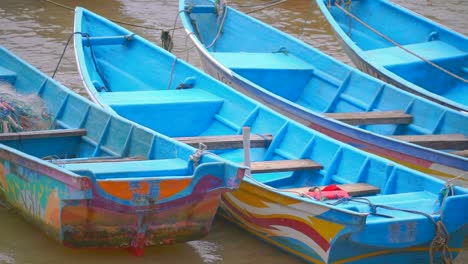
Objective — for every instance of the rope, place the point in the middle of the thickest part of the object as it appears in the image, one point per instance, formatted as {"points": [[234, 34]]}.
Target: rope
{"points": [[63, 52], [400, 46], [195, 157], [222, 5], [113, 20], [261, 4], [306, 19], [171, 76], [440, 243], [267, 6]]}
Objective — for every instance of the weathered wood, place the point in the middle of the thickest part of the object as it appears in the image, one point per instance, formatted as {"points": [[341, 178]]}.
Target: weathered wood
{"points": [[96, 159], [463, 153], [227, 142], [372, 118], [353, 189], [284, 165], [444, 141], [43, 134]]}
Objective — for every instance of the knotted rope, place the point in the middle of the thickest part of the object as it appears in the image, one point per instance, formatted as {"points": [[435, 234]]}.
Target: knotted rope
{"points": [[195, 157]]}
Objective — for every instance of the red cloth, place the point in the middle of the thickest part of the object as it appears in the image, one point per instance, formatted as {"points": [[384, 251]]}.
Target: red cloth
{"points": [[329, 192]]}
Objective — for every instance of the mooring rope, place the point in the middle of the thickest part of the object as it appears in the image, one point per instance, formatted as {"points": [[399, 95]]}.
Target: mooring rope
{"points": [[255, 5], [306, 19], [195, 157], [400, 46], [64, 50], [441, 239], [113, 20], [267, 6], [223, 6]]}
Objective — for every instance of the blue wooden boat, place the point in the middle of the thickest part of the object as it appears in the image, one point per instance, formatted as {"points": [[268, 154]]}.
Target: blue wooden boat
{"points": [[380, 209], [325, 94], [403, 48], [92, 179]]}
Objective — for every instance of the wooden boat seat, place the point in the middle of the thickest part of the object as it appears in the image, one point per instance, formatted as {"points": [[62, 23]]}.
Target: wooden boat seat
{"points": [[264, 60], [353, 189], [139, 168], [284, 165], [43, 134], [158, 97], [372, 118], [432, 50], [227, 142], [463, 153], [442, 141], [7, 76]]}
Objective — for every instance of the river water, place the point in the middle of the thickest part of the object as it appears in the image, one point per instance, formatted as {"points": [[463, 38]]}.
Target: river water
{"points": [[37, 31]]}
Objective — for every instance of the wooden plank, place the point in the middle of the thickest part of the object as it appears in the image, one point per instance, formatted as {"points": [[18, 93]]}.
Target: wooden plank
{"points": [[444, 141], [284, 165], [227, 142], [372, 118], [463, 153], [43, 134], [353, 189]]}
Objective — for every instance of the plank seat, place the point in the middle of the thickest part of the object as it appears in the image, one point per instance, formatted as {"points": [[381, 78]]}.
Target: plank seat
{"points": [[372, 118], [107, 40], [431, 50], [463, 153], [138, 168], [227, 142], [442, 141], [284, 165], [55, 133], [7, 76], [353, 189]]}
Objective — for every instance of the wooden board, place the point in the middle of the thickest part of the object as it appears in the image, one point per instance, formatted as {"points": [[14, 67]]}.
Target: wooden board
{"points": [[284, 165], [372, 118], [463, 153], [353, 189], [43, 134], [227, 142], [444, 141]]}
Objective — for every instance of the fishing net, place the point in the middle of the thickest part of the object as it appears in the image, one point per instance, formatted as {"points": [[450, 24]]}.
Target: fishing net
{"points": [[21, 112]]}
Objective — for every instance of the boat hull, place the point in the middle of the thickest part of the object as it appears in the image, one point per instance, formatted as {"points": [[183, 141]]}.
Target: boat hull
{"points": [[321, 235], [82, 214], [97, 180], [417, 158]]}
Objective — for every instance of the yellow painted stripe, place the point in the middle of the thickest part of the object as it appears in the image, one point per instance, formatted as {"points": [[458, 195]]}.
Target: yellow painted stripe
{"points": [[277, 244]]}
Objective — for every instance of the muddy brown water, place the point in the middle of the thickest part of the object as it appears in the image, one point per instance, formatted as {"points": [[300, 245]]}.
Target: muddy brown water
{"points": [[37, 31]]}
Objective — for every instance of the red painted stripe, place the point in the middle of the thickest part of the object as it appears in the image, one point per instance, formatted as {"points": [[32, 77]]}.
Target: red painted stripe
{"points": [[288, 222]]}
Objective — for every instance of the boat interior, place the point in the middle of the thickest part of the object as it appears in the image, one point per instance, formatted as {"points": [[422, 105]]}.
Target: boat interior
{"points": [[417, 35], [85, 139]]}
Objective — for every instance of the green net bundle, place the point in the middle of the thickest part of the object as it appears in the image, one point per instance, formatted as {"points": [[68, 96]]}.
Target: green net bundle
{"points": [[22, 113]]}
